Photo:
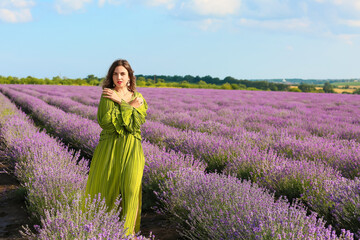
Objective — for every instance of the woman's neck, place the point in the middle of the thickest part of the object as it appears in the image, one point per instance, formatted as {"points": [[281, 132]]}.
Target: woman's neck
{"points": [[121, 90]]}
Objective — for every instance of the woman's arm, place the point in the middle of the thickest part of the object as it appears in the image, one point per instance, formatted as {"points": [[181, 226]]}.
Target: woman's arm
{"points": [[105, 109], [133, 114]]}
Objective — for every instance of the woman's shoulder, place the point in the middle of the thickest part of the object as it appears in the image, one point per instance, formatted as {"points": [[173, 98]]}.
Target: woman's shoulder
{"points": [[137, 94]]}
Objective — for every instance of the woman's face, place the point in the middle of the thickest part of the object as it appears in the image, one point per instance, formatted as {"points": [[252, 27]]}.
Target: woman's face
{"points": [[120, 77]]}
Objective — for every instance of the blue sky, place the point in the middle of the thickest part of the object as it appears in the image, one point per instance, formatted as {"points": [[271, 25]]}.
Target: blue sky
{"points": [[245, 39]]}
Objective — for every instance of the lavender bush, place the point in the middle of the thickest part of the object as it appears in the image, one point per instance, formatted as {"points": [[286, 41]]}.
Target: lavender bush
{"points": [[82, 133], [54, 182], [158, 164], [72, 221], [213, 206], [338, 201], [290, 143]]}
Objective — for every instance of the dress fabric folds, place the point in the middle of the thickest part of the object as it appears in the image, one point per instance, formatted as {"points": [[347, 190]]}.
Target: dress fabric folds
{"points": [[118, 161]]}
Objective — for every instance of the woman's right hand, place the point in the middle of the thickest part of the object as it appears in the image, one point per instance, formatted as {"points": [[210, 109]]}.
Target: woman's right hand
{"points": [[111, 94], [137, 102]]}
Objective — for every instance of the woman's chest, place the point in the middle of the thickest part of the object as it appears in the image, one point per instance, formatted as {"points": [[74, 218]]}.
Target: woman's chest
{"points": [[128, 98]]}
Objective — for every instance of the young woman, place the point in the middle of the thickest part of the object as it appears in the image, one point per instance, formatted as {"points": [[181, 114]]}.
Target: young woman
{"points": [[118, 161]]}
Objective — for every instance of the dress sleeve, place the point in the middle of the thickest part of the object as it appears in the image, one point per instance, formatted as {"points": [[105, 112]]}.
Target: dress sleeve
{"points": [[133, 117], [109, 115]]}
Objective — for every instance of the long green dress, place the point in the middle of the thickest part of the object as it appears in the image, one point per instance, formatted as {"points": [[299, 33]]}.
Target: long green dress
{"points": [[118, 160]]}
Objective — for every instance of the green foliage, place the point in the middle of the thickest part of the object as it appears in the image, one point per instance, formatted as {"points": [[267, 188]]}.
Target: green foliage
{"points": [[294, 90], [357, 91], [226, 86], [328, 88], [319, 91], [91, 80], [304, 87], [210, 82]]}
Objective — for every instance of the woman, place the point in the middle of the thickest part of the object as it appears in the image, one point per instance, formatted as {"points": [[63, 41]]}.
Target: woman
{"points": [[118, 160]]}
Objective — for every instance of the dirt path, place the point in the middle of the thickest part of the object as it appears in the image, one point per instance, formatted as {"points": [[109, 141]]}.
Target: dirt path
{"points": [[158, 225], [12, 204]]}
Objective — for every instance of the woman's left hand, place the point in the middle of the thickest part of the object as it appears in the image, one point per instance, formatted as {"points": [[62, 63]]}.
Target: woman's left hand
{"points": [[111, 94], [137, 102]]}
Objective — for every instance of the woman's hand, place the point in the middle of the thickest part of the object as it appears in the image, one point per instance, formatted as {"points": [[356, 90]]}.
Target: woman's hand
{"points": [[111, 94], [137, 102]]}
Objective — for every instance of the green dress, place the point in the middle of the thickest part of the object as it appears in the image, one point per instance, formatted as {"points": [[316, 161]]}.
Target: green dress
{"points": [[118, 160]]}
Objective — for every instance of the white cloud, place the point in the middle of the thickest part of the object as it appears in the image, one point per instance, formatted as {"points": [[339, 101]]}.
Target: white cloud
{"points": [[269, 8], [215, 7], [353, 4], [199, 7], [351, 23], [112, 2], [15, 16], [102, 2], [67, 6], [210, 24], [170, 4], [16, 3], [287, 24], [348, 38], [15, 11]]}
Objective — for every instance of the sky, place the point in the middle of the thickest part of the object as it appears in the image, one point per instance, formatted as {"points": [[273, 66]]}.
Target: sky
{"points": [[244, 39]]}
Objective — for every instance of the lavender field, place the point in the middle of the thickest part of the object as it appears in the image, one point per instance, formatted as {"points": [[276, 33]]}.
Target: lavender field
{"points": [[221, 164]]}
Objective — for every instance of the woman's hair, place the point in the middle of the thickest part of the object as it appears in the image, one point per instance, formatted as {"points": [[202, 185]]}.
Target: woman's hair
{"points": [[108, 81]]}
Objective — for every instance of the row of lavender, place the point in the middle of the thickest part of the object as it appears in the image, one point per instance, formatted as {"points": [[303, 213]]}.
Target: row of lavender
{"points": [[248, 158], [300, 114], [54, 183], [340, 154], [265, 205]]}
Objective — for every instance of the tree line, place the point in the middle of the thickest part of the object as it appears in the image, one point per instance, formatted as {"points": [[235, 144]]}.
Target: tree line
{"points": [[186, 81]]}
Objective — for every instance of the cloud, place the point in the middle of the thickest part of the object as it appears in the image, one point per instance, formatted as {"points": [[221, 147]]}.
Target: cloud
{"points": [[68, 6], [111, 2], [286, 24], [170, 4], [15, 16], [348, 38], [214, 7], [350, 4], [199, 7], [15, 11], [210, 24], [351, 23], [268, 8]]}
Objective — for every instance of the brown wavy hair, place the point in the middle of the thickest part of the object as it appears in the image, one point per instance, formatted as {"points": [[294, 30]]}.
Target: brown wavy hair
{"points": [[108, 81]]}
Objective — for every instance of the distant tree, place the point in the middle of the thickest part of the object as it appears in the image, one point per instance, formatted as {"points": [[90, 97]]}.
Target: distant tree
{"points": [[235, 86], [189, 79], [94, 82], [295, 89], [304, 87], [202, 84], [319, 91], [357, 91], [150, 82], [141, 81], [328, 88], [185, 84], [226, 86], [229, 79], [160, 80]]}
